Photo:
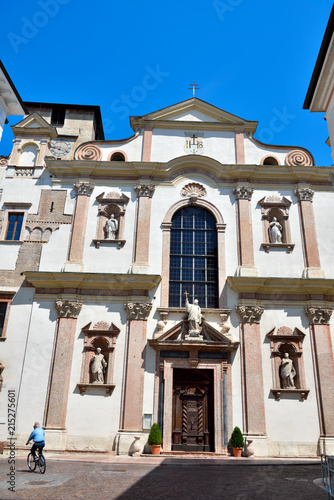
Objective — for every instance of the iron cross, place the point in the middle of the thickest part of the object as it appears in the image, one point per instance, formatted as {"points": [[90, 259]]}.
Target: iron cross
{"points": [[193, 86]]}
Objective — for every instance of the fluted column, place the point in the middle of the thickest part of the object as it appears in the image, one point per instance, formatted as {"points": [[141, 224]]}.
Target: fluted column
{"points": [[60, 371], [79, 224], [252, 376], [243, 195], [143, 222], [134, 365], [309, 233], [322, 351]]}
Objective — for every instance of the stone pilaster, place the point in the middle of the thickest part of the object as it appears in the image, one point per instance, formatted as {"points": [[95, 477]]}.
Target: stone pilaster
{"points": [[60, 371], [309, 235], [77, 241], [243, 195], [322, 351], [134, 369], [252, 376], [143, 222]]}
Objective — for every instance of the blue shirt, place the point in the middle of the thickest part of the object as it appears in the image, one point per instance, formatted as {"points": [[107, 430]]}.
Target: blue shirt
{"points": [[37, 435]]}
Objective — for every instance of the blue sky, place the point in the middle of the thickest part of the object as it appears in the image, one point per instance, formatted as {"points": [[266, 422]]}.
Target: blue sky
{"points": [[253, 59]]}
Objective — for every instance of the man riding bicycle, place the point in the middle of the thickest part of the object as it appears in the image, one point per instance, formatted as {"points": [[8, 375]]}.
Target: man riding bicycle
{"points": [[38, 437]]}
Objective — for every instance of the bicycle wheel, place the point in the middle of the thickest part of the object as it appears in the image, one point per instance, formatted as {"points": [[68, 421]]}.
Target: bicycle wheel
{"points": [[31, 462], [42, 464]]}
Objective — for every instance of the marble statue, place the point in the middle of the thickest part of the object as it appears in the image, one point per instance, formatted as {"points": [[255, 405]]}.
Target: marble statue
{"points": [[111, 228], [288, 372], [275, 231], [194, 316], [98, 367]]}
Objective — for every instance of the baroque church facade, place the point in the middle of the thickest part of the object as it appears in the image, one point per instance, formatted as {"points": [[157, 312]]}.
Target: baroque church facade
{"points": [[182, 276]]}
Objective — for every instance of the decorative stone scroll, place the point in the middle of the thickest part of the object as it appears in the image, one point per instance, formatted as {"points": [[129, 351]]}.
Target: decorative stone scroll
{"points": [[318, 315], [84, 188], [137, 310], [68, 308], [4, 161], [115, 204], [101, 338], [88, 152], [193, 190], [275, 209], [299, 157], [304, 194], [249, 314], [144, 190], [243, 192], [286, 347]]}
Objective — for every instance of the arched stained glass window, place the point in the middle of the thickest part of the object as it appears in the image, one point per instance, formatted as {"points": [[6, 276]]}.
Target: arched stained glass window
{"points": [[193, 258]]}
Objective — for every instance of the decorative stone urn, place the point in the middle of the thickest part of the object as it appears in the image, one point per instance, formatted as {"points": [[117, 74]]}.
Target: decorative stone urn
{"points": [[136, 447], [249, 450]]}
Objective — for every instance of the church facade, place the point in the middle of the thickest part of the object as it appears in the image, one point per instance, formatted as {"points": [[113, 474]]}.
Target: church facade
{"points": [[182, 276]]}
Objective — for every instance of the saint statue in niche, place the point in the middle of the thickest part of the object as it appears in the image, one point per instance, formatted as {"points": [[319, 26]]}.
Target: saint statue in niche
{"points": [[288, 372], [275, 231], [111, 228], [98, 367], [194, 315]]}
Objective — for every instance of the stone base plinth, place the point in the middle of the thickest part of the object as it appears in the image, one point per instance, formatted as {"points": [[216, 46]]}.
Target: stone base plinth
{"points": [[74, 267], [326, 446], [56, 439], [140, 269], [247, 271], [283, 449], [313, 272], [126, 439], [259, 444]]}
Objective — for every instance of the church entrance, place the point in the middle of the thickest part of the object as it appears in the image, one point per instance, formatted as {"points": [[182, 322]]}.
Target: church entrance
{"points": [[193, 411]]}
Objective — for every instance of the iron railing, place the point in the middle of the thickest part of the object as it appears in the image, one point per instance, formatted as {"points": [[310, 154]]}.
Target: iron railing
{"points": [[327, 469]]}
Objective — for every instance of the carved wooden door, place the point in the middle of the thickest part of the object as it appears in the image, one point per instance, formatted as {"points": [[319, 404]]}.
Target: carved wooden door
{"points": [[193, 410]]}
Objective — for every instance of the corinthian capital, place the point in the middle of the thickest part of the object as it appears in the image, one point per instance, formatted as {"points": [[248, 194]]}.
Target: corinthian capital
{"points": [[68, 308], [137, 310], [243, 192], [304, 194], [318, 315], [145, 190], [249, 314], [85, 188]]}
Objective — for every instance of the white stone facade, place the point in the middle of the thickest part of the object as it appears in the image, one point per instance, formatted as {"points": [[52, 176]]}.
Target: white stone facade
{"points": [[69, 289]]}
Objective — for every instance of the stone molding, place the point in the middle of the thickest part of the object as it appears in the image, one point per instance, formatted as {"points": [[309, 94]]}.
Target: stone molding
{"points": [[318, 315], [249, 314], [298, 157], [84, 188], [144, 190], [243, 192], [68, 308], [304, 194], [137, 310]]}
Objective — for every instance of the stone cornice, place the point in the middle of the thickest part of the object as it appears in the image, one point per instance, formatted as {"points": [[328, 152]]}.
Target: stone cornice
{"points": [[140, 123], [261, 174], [92, 281], [283, 286]]}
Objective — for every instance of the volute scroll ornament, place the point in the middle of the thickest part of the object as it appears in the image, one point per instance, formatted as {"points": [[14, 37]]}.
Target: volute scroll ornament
{"points": [[144, 190], [88, 152], [299, 157], [318, 315], [249, 314], [137, 310], [84, 188], [68, 308], [304, 194]]}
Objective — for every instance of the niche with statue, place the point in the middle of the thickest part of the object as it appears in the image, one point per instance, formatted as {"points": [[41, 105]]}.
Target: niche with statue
{"points": [[276, 226], [111, 219]]}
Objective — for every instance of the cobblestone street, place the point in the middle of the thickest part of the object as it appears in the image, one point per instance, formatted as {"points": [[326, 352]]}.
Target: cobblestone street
{"points": [[125, 478]]}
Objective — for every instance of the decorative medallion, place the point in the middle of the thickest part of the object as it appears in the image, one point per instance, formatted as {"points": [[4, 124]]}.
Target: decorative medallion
{"points": [[88, 152], [194, 145], [60, 147], [194, 189], [299, 157]]}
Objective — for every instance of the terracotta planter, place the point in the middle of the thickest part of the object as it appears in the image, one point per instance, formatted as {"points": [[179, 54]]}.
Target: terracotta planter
{"points": [[237, 452], [155, 449]]}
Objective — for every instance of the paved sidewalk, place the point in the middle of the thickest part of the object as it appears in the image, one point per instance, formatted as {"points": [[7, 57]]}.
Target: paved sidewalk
{"points": [[103, 476]]}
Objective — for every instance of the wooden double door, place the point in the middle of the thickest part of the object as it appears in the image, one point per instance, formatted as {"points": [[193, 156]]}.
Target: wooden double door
{"points": [[193, 412]]}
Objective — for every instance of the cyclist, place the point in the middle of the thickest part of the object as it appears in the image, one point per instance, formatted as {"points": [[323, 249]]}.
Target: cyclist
{"points": [[38, 437]]}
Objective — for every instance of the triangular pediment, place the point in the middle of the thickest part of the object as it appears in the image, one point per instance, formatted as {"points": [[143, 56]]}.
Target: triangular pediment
{"points": [[34, 124], [193, 112], [178, 333]]}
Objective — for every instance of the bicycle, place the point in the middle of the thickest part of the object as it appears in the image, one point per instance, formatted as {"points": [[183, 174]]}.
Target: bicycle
{"points": [[40, 461]]}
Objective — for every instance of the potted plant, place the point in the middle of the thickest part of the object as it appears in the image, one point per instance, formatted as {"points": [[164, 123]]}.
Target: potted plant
{"points": [[155, 439], [237, 442]]}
